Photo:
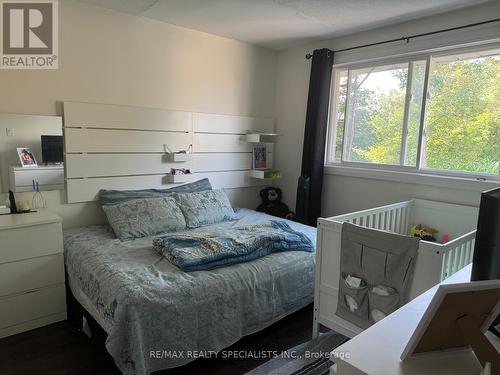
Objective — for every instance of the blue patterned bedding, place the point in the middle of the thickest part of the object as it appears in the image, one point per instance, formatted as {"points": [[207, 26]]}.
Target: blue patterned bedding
{"points": [[146, 304], [210, 248]]}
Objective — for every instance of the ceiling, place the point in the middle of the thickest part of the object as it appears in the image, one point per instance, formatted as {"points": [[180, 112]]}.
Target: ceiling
{"points": [[280, 24]]}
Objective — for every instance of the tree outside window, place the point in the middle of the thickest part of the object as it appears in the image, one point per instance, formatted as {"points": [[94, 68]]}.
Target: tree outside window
{"points": [[381, 115]]}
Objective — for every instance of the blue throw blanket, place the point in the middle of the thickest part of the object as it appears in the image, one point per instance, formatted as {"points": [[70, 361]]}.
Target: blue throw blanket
{"points": [[205, 250]]}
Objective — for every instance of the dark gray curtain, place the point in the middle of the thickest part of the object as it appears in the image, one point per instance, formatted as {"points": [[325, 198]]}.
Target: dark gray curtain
{"points": [[308, 205]]}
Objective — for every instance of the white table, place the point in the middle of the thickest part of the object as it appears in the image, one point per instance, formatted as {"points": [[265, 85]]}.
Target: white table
{"points": [[377, 350]]}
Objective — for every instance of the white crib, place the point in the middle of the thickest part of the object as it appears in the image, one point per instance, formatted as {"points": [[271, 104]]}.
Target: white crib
{"points": [[435, 261]]}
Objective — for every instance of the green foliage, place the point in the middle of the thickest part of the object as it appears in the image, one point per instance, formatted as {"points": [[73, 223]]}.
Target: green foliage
{"points": [[386, 125], [463, 116], [462, 125]]}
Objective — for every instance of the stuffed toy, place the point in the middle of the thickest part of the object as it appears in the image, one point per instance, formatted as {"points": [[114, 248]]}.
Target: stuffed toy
{"points": [[272, 204], [425, 233]]}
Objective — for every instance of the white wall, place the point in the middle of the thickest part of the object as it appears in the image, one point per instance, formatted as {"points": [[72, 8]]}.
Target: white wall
{"points": [[114, 58], [340, 193], [343, 194]]}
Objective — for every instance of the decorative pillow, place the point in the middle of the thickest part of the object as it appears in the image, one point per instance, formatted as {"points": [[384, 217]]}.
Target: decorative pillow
{"points": [[116, 196], [144, 217], [207, 207]]}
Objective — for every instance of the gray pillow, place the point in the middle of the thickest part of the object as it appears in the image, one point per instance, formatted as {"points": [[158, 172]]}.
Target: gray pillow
{"points": [[115, 196], [144, 217], [207, 207]]}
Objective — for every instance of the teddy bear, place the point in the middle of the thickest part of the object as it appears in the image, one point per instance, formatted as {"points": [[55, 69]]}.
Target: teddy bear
{"points": [[272, 204]]}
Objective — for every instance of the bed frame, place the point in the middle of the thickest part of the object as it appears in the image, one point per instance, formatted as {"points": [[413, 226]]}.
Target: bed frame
{"points": [[122, 147]]}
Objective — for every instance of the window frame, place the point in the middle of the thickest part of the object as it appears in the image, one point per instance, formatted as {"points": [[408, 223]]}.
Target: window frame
{"points": [[417, 170]]}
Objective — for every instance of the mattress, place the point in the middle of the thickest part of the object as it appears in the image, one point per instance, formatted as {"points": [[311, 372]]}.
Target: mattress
{"points": [[159, 317]]}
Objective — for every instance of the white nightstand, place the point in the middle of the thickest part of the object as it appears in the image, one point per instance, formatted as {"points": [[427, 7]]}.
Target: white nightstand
{"points": [[32, 291]]}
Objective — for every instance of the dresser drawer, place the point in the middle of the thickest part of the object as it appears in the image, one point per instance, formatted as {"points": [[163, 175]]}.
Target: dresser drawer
{"points": [[29, 274], [32, 305], [30, 241], [44, 176]]}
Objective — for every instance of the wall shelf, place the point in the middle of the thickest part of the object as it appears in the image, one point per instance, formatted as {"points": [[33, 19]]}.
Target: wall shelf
{"points": [[262, 137], [265, 174], [178, 178], [177, 157]]}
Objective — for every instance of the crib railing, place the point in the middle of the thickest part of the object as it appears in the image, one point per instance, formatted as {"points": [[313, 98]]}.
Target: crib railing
{"points": [[457, 254], [395, 217]]}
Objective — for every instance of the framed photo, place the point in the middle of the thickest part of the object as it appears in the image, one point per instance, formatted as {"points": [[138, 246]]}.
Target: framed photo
{"points": [[259, 157], [26, 157], [445, 324]]}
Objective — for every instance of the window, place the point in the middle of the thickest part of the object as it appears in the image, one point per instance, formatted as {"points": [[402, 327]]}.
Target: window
{"points": [[440, 114]]}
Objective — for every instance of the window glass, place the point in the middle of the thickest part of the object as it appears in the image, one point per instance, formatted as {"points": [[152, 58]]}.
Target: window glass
{"points": [[410, 151], [462, 124], [338, 112], [374, 114], [378, 113]]}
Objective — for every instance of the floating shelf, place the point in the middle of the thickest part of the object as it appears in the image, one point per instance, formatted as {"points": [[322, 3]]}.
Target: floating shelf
{"points": [[262, 137], [178, 178], [178, 157], [265, 174]]}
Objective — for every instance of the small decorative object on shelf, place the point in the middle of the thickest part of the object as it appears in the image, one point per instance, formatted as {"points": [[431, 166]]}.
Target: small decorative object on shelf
{"points": [[259, 156], [38, 200], [179, 156], [262, 137], [179, 175], [20, 207], [179, 171], [24, 206], [267, 174], [12, 203], [26, 157]]}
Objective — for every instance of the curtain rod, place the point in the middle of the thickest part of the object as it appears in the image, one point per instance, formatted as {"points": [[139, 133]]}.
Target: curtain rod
{"points": [[407, 38]]}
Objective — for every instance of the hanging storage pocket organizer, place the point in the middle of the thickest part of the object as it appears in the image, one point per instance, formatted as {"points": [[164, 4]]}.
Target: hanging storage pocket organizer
{"points": [[384, 261], [373, 263], [354, 298], [351, 267], [381, 305]]}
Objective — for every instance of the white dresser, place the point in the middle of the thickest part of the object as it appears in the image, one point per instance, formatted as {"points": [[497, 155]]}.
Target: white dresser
{"points": [[32, 291], [48, 178]]}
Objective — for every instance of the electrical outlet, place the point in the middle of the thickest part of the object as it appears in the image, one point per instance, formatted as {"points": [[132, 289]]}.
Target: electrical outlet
{"points": [[9, 132]]}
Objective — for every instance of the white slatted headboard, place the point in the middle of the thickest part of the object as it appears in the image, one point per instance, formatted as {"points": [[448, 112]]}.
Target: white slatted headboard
{"points": [[120, 147]]}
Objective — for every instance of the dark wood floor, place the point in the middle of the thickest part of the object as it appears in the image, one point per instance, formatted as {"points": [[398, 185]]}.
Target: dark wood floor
{"points": [[61, 349]]}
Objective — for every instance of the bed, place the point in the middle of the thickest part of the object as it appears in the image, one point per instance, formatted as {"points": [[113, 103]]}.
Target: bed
{"points": [[158, 317]]}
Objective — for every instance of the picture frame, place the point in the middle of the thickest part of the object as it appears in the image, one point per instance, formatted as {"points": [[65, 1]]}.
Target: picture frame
{"points": [[259, 157], [439, 330], [26, 157]]}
